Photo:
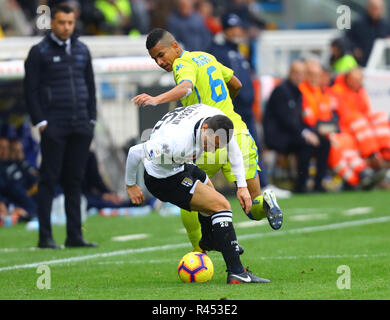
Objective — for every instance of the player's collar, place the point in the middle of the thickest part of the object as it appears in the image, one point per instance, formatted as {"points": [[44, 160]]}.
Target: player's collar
{"points": [[197, 134], [181, 54]]}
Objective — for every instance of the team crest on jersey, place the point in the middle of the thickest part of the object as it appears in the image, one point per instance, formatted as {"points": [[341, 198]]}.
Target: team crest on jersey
{"points": [[179, 66], [187, 182]]}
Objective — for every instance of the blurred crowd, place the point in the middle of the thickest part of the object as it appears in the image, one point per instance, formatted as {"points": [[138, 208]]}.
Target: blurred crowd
{"points": [[319, 113], [323, 112], [97, 17]]}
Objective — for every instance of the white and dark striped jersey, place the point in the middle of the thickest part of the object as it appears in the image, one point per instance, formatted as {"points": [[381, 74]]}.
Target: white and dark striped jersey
{"points": [[175, 140]]}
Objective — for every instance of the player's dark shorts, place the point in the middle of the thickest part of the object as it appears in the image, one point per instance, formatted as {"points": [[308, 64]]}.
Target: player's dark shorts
{"points": [[177, 189]]}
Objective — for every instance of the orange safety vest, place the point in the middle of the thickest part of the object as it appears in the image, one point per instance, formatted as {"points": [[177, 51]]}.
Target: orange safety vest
{"points": [[370, 129], [316, 106], [344, 158]]}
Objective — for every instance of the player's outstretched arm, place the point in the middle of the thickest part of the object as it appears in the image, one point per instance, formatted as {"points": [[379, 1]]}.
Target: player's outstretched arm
{"points": [[180, 91], [134, 157]]}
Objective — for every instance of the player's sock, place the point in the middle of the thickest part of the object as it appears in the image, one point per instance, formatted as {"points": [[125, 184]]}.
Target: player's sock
{"points": [[192, 225], [257, 211], [226, 241], [206, 243]]}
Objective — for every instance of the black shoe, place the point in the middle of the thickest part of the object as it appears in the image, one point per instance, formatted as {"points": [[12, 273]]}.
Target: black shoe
{"points": [[207, 246], [272, 210], [79, 243], [245, 277], [48, 244]]}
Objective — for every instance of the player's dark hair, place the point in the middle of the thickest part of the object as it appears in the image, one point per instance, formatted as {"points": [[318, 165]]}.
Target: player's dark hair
{"points": [[219, 122], [154, 36], [61, 7]]}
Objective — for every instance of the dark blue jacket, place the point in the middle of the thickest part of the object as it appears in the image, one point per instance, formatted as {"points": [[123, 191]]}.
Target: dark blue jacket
{"points": [[228, 54], [190, 31], [363, 34], [282, 122], [60, 88]]}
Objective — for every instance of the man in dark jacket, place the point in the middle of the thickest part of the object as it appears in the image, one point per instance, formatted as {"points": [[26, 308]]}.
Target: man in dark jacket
{"points": [[284, 130], [366, 30], [60, 94], [188, 27]]}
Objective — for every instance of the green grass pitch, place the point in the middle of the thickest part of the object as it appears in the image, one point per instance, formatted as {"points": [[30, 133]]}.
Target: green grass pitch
{"points": [[303, 260]]}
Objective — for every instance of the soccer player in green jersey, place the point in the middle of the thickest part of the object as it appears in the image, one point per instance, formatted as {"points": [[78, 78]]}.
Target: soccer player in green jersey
{"points": [[200, 78]]}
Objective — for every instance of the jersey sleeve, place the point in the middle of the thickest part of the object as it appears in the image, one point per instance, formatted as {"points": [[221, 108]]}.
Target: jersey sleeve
{"points": [[237, 162], [134, 157], [227, 73], [184, 70]]}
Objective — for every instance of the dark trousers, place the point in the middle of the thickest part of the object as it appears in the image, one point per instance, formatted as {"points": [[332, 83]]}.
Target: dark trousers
{"points": [[297, 145], [305, 153], [64, 156]]}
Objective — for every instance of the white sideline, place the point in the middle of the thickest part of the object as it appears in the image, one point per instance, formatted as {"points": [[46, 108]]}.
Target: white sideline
{"points": [[333, 226]]}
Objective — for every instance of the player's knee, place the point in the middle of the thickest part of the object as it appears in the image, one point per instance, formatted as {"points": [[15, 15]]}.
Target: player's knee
{"points": [[222, 204]]}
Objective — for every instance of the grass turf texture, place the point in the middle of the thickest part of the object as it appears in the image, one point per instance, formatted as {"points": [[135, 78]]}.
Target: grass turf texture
{"points": [[301, 259]]}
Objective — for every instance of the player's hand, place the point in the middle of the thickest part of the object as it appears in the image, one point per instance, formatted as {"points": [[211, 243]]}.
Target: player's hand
{"points": [[135, 194], [42, 128], [311, 138], [245, 199], [144, 99]]}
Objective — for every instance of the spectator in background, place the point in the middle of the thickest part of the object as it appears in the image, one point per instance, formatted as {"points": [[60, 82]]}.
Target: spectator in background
{"points": [[117, 15], [141, 15], [29, 8], [371, 130], [60, 97], [225, 48], [366, 30], [317, 115], [160, 10], [188, 27], [95, 190], [249, 13], [284, 129], [212, 22], [12, 19], [27, 173], [341, 60], [11, 183]]}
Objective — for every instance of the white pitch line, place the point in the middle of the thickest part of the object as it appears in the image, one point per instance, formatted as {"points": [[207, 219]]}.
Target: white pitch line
{"points": [[307, 217], [311, 257], [358, 210], [6, 250], [250, 224], [97, 255], [333, 226], [130, 237]]}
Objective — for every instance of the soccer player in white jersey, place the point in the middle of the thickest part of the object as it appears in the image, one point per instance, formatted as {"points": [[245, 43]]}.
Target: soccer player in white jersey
{"points": [[177, 140]]}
